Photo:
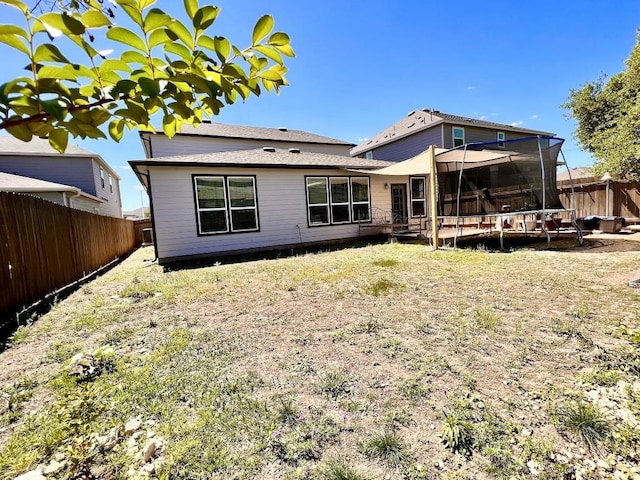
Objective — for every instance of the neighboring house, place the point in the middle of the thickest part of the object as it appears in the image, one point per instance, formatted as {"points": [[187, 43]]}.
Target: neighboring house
{"points": [[54, 192], [210, 137], [574, 174], [98, 183], [421, 128], [139, 213], [246, 200]]}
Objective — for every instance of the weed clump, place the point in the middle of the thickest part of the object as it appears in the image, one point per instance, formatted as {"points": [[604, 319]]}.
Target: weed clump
{"points": [[585, 422], [457, 435], [388, 448]]}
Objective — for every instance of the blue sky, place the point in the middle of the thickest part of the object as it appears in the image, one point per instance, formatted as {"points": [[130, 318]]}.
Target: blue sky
{"points": [[363, 65]]}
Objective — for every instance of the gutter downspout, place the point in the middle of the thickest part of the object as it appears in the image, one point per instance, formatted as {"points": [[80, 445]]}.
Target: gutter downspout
{"points": [[77, 194], [153, 217]]}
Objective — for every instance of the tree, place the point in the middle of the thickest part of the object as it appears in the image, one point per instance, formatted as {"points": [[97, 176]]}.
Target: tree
{"points": [[180, 72], [607, 112]]}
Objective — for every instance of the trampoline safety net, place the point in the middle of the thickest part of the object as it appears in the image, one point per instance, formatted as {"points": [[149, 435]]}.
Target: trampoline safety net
{"points": [[514, 175]]}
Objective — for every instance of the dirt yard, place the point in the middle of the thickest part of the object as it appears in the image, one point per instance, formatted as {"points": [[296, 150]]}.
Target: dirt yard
{"points": [[387, 361]]}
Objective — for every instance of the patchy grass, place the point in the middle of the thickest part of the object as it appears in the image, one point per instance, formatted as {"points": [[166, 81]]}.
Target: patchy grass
{"points": [[388, 361]]}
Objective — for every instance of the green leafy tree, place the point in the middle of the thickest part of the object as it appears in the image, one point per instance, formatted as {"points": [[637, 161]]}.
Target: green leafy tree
{"points": [[607, 112], [180, 72]]}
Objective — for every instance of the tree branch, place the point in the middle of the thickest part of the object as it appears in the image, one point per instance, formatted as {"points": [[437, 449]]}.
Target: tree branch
{"points": [[43, 116]]}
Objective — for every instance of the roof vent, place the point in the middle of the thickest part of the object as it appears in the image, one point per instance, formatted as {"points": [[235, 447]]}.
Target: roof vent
{"points": [[282, 129], [411, 113], [268, 149], [294, 150]]}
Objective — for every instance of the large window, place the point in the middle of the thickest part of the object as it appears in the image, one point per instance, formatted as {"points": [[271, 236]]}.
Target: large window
{"points": [[418, 197], [458, 136], [360, 201], [338, 200], [226, 204], [340, 208]]}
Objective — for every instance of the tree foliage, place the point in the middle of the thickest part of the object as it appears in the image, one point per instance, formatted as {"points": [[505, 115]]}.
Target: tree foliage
{"points": [[607, 112], [178, 71]]}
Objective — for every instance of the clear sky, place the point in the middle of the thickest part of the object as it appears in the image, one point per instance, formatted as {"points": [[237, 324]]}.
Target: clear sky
{"points": [[363, 65]]}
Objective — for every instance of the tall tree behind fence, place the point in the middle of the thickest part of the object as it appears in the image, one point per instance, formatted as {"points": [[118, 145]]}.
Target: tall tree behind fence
{"points": [[45, 246], [590, 197]]}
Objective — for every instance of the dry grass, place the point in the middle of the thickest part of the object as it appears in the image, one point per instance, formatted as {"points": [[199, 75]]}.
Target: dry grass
{"points": [[292, 363]]}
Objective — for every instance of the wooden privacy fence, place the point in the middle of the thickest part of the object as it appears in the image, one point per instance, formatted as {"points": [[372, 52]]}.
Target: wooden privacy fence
{"points": [[141, 225], [45, 246], [590, 197]]}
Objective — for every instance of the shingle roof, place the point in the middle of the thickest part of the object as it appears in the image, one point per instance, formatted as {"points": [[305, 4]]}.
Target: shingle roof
{"points": [[576, 173], [18, 183], [279, 157], [419, 120], [37, 146], [213, 129]]}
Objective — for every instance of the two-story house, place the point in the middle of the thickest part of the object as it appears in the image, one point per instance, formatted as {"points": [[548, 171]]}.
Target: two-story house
{"points": [[413, 134], [211, 137], [78, 178]]}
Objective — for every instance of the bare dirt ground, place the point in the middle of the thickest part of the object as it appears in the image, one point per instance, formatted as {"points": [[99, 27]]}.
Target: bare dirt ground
{"points": [[345, 359]]}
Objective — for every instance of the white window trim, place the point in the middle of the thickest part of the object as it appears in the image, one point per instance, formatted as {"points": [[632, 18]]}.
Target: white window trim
{"points": [[340, 204], [110, 183], [453, 136], [101, 176], [232, 208], [326, 205], [369, 155], [501, 141], [354, 203], [412, 199]]}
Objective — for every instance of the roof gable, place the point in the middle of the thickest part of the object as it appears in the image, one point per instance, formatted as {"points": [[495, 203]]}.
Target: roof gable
{"points": [[213, 129], [419, 120]]}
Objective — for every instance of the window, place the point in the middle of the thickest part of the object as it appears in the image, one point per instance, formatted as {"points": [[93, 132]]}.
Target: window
{"points": [[340, 209], [360, 199], [318, 201], [369, 155], [337, 200], [418, 197], [110, 184], [102, 177], [458, 136], [501, 139], [226, 204]]}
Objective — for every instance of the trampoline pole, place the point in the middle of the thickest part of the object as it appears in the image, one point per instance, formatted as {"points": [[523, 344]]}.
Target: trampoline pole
{"points": [[544, 196], [455, 235]]}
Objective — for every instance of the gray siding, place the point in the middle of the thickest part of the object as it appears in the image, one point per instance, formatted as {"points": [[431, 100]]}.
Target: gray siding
{"points": [[74, 171], [86, 204], [477, 134], [55, 197], [162, 146], [112, 206], [409, 146], [282, 210]]}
